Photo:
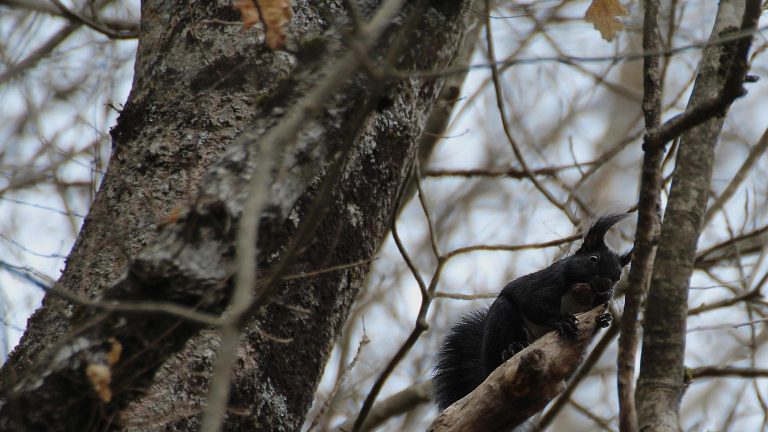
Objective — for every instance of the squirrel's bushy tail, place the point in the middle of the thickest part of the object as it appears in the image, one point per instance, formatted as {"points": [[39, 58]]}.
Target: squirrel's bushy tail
{"points": [[459, 363]]}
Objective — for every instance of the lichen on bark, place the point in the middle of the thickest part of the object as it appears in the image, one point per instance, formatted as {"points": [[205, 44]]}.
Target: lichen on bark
{"points": [[204, 97]]}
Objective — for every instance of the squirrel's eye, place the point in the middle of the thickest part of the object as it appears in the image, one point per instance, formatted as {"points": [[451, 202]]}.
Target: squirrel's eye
{"points": [[594, 258]]}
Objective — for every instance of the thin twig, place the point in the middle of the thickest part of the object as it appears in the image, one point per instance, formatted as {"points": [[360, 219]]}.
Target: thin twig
{"points": [[728, 372], [503, 172], [747, 296], [420, 327], [43, 51], [46, 48], [336, 386], [113, 25], [727, 326], [514, 61], [505, 124], [440, 294], [245, 280], [170, 309], [425, 209], [403, 401], [754, 155], [329, 269], [94, 24], [511, 248], [599, 421], [401, 39], [720, 250]]}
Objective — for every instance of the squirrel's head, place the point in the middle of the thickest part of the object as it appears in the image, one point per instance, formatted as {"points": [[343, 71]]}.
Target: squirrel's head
{"points": [[595, 263]]}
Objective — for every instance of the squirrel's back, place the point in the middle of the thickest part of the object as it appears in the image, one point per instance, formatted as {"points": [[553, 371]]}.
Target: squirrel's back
{"points": [[459, 362]]}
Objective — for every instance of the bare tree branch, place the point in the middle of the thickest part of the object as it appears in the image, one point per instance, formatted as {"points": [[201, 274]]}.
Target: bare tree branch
{"points": [[723, 70], [527, 382], [649, 209], [120, 29]]}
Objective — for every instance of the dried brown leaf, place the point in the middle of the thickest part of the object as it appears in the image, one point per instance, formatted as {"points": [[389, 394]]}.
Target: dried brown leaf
{"points": [[248, 12], [115, 352], [277, 14], [100, 376], [273, 14], [603, 14]]}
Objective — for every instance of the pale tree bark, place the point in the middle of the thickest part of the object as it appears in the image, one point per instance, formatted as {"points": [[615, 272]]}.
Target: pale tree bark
{"points": [[523, 385], [648, 221], [157, 249], [723, 67]]}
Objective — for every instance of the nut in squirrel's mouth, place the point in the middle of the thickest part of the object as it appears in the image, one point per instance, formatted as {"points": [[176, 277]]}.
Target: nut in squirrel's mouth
{"points": [[602, 286]]}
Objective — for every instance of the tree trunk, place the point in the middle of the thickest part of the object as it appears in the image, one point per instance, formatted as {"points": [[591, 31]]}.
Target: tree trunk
{"points": [[723, 68], [208, 101]]}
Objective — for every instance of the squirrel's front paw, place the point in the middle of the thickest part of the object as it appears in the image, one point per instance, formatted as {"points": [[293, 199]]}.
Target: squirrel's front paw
{"points": [[604, 320], [512, 349], [566, 325]]}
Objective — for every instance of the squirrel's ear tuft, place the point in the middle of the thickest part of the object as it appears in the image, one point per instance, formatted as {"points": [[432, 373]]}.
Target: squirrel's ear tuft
{"points": [[595, 237]]}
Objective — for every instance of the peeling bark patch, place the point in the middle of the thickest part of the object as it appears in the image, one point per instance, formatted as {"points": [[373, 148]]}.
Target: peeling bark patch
{"points": [[276, 400], [449, 8], [226, 13], [385, 103], [224, 73], [355, 216], [129, 124]]}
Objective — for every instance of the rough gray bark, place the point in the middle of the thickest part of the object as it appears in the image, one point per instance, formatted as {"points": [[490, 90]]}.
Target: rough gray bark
{"points": [[661, 381], [198, 85]]}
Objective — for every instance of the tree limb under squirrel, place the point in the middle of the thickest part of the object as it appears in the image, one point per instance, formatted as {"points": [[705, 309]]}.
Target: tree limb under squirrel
{"points": [[527, 308], [524, 384]]}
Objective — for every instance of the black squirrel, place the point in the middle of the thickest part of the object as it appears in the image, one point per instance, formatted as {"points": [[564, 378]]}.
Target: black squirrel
{"points": [[527, 308]]}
